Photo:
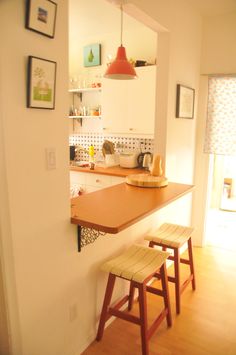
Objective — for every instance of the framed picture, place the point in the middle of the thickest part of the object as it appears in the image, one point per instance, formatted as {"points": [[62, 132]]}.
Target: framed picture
{"points": [[41, 83], [41, 16], [92, 55], [184, 102]]}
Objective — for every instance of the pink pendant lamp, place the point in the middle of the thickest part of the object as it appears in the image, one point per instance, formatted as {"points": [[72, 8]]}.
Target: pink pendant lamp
{"points": [[120, 68]]}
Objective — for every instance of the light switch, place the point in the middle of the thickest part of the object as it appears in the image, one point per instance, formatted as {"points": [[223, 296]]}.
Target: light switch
{"points": [[50, 158]]}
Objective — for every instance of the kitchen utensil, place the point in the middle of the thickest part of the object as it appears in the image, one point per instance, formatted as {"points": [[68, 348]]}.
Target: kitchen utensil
{"points": [[147, 159], [141, 158], [108, 148]]}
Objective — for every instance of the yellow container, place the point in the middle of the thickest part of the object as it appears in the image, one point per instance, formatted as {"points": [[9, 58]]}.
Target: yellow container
{"points": [[91, 151]]}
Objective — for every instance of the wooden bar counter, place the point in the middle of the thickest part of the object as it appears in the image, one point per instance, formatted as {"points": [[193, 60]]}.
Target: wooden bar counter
{"points": [[113, 171], [115, 208]]}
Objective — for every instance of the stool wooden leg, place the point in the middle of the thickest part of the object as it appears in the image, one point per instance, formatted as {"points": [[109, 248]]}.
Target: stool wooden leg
{"points": [[165, 288], [106, 303], [131, 296], [151, 244], [177, 279], [190, 253], [143, 317]]}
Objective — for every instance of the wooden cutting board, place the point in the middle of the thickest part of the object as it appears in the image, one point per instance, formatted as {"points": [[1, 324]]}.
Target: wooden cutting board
{"points": [[145, 180]]}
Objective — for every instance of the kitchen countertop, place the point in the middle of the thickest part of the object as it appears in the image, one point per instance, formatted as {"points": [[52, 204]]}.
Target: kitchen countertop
{"points": [[115, 208], [113, 171]]}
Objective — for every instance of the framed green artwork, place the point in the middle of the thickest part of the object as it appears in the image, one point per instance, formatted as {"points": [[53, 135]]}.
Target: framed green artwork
{"points": [[41, 83], [92, 55]]}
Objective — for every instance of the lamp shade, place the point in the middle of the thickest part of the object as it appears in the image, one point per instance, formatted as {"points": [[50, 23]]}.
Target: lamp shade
{"points": [[120, 68]]}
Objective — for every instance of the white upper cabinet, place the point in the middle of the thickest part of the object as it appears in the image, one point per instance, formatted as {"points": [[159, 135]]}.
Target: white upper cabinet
{"points": [[114, 105], [128, 106], [142, 101]]}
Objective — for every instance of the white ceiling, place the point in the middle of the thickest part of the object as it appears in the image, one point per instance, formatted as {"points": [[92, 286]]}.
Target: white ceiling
{"points": [[97, 16], [102, 17], [205, 7], [214, 7]]}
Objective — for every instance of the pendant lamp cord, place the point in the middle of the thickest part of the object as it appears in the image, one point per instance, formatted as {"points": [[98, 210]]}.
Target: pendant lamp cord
{"points": [[121, 20]]}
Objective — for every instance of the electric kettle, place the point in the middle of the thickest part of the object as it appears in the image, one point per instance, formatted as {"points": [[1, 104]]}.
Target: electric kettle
{"points": [[142, 159]]}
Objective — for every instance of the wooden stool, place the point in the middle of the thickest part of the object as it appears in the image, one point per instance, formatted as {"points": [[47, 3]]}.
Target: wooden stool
{"points": [[173, 236], [139, 264]]}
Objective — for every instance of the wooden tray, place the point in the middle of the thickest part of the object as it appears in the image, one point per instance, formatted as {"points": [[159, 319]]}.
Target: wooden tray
{"points": [[144, 180]]}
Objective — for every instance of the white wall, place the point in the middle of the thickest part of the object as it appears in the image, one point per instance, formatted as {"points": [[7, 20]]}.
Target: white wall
{"points": [[218, 46], [47, 282], [36, 233], [218, 57]]}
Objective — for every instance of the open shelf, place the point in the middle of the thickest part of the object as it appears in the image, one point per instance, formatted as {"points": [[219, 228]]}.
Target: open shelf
{"points": [[85, 116], [81, 90]]}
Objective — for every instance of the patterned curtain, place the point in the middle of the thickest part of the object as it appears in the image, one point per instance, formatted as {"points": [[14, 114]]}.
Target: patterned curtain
{"points": [[220, 136]]}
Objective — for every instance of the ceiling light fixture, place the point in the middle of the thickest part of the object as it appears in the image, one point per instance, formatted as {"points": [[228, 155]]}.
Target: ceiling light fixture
{"points": [[121, 68]]}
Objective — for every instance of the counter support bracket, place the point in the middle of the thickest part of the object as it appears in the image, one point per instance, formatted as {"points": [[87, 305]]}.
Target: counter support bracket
{"points": [[87, 236], [79, 238]]}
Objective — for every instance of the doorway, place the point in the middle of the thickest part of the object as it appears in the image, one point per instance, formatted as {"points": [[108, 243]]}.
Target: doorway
{"points": [[221, 216], [220, 144]]}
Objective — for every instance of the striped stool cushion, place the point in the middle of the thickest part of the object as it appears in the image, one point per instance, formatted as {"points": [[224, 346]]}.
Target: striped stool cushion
{"points": [[172, 235], [137, 263]]}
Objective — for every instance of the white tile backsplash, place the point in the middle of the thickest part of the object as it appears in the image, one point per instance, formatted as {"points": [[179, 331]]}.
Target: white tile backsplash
{"points": [[97, 140]]}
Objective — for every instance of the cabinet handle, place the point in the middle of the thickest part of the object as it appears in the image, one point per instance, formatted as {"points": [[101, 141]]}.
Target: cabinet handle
{"points": [[131, 129], [104, 128], [97, 180]]}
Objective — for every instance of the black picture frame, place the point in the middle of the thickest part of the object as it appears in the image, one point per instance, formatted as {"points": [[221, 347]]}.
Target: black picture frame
{"points": [[41, 83], [41, 17], [185, 97]]}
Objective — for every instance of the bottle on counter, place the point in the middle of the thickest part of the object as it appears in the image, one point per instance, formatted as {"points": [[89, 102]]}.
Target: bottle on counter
{"points": [[91, 157], [91, 151]]}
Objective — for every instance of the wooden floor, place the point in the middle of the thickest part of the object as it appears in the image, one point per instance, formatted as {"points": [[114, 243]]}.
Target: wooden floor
{"points": [[221, 223], [206, 325]]}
